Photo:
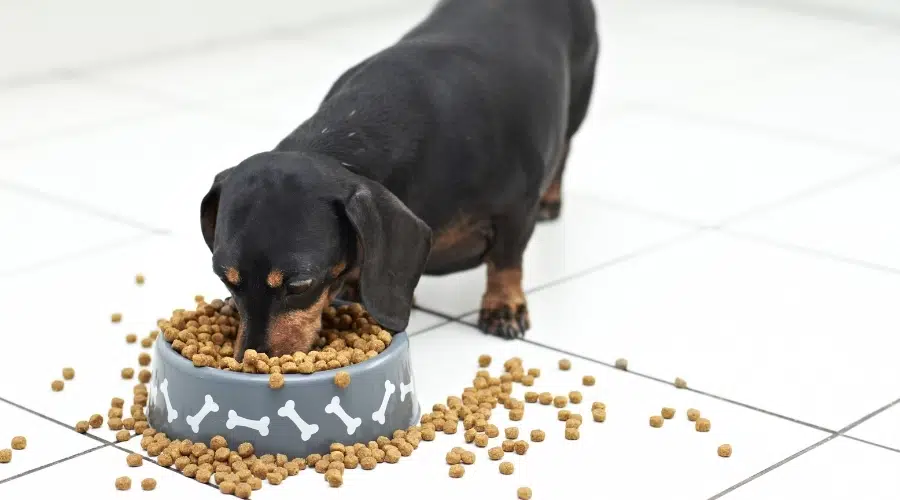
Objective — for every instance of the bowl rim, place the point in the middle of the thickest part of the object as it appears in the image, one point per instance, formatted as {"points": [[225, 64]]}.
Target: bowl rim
{"points": [[398, 346]]}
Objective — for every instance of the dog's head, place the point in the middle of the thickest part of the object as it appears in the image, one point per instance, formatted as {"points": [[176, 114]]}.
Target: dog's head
{"points": [[286, 229]]}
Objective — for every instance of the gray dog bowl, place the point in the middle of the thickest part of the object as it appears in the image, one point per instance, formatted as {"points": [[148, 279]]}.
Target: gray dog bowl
{"points": [[305, 416]]}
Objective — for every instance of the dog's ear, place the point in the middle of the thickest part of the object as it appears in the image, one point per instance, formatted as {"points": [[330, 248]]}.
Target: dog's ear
{"points": [[209, 208], [395, 246]]}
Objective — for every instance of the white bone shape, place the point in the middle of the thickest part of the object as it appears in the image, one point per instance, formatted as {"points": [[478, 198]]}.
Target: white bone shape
{"points": [[389, 388], [335, 408], [209, 406], [306, 430], [153, 390], [261, 425], [405, 389], [171, 413]]}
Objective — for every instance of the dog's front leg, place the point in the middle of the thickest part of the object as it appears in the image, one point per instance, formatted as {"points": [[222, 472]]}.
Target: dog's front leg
{"points": [[504, 311]]}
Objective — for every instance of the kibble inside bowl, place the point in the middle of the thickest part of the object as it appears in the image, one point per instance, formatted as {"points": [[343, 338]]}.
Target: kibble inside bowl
{"points": [[204, 392]]}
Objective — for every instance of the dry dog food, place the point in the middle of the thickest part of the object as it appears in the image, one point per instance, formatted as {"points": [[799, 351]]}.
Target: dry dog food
{"points": [[123, 483], [511, 432], [144, 376], [667, 413], [572, 433], [57, 385], [342, 379], [243, 490], [523, 493], [575, 397], [521, 447], [144, 359], [148, 484], [560, 401], [127, 373], [702, 425], [588, 380], [453, 458], [5, 456], [134, 460], [457, 471], [481, 440], [484, 360], [495, 453], [656, 421], [276, 381], [724, 450], [139, 278], [563, 415], [534, 372], [622, 364], [206, 336], [528, 380], [680, 383], [123, 435], [565, 364], [227, 487], [18, 443], [467, 457], [599, 415], [693, 414], [147, 342], [516, 414], [537, 435], [117, 403], [68, 373], [545, 398], [506, 468], [131, 338], [116, 317], [531, 397], [82, 426]]}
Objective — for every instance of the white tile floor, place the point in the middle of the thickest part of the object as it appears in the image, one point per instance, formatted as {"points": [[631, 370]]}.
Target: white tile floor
{"points": [[726, 220]]}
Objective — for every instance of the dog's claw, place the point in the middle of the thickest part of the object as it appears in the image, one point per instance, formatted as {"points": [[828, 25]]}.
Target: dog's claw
{"points": [[505, 323], [549, 211]]}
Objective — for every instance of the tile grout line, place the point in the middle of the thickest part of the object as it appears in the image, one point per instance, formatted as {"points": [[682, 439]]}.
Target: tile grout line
{"points": [[809, 448], [53, 420], [56, 462]]}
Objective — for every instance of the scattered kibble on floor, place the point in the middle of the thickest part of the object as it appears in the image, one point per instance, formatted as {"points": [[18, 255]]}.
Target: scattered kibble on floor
{"points": [[123, 483], [148, 484], [702, 425], [484, 360], [523, 493], [19, 443], [506, 468], [725, 450], [622, 364], [667, 413], [656, 421], [139, 279], [5, 456], [693, 414], [680, 383], [565, 364], [116, 317]]}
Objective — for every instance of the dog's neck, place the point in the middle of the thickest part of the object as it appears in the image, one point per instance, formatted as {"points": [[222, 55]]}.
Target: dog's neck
{"points": [[366, 134]]}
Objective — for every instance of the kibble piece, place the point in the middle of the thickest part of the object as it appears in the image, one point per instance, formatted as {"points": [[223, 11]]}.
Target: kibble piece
{"points": [[114, 413], [68, 373], [588, 380], [127, 373], [622, 364], [481, 440], [18, 443], [123, 435], [528, 380], [148, 484], [5, 456], [117, 403], [667, 413], [134, 460], [656, 421], [139, 278], [96, 421], [534, 372], [495, 453], [508, 446], [246, 449], [467, 457], [702, 425], [484, 360], [342, 379], [725, 450], [147, 342], [243, 490], [227, 487], [276, 381], [516, 414], [165, 459], [274, 479], [599, 415], [537, 435], [563, 415], [123, 483], [680, 383], [457, 471], [575, 397], [116, 317], [143, 359], [131, 338], [115, 424], [560, 401], [335, 478], [523, 493], [492, 431], [506, 468], [428, 434], [453, 458], [545, 398], [573, 422], [144, 376], [531, 397], [82, 426], [693, 414], [511, 433], [57, 385], [565, 364], [217, 442], [521, 447], [572, 433]]}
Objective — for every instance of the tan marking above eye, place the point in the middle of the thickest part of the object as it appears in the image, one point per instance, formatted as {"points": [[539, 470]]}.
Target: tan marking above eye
{"points": [[232, 276], [275, 279]]}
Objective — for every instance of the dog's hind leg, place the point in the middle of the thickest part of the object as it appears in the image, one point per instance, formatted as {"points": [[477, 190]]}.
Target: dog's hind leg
{"points": [[551, 200], [504, 310]]}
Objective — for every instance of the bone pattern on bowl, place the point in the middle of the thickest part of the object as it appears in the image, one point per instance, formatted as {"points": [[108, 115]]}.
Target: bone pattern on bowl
{"points": [[305, 416]]}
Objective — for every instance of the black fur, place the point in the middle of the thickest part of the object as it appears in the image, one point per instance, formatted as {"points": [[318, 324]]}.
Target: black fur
{"points": [[469, 115]]}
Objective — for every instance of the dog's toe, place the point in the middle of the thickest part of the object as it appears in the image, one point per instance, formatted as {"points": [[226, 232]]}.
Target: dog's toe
{"points": [[504, 323]]}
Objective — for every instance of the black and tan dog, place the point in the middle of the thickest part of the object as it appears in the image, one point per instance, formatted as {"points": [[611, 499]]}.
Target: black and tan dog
{"points": [[433, 156]]}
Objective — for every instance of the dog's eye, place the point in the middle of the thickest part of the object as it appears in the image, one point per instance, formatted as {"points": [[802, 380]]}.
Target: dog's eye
{"points": [[298, 287]]}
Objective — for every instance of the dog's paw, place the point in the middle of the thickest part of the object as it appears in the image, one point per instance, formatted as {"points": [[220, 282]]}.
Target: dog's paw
{"points": [[505, 322], [549, 210]]}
